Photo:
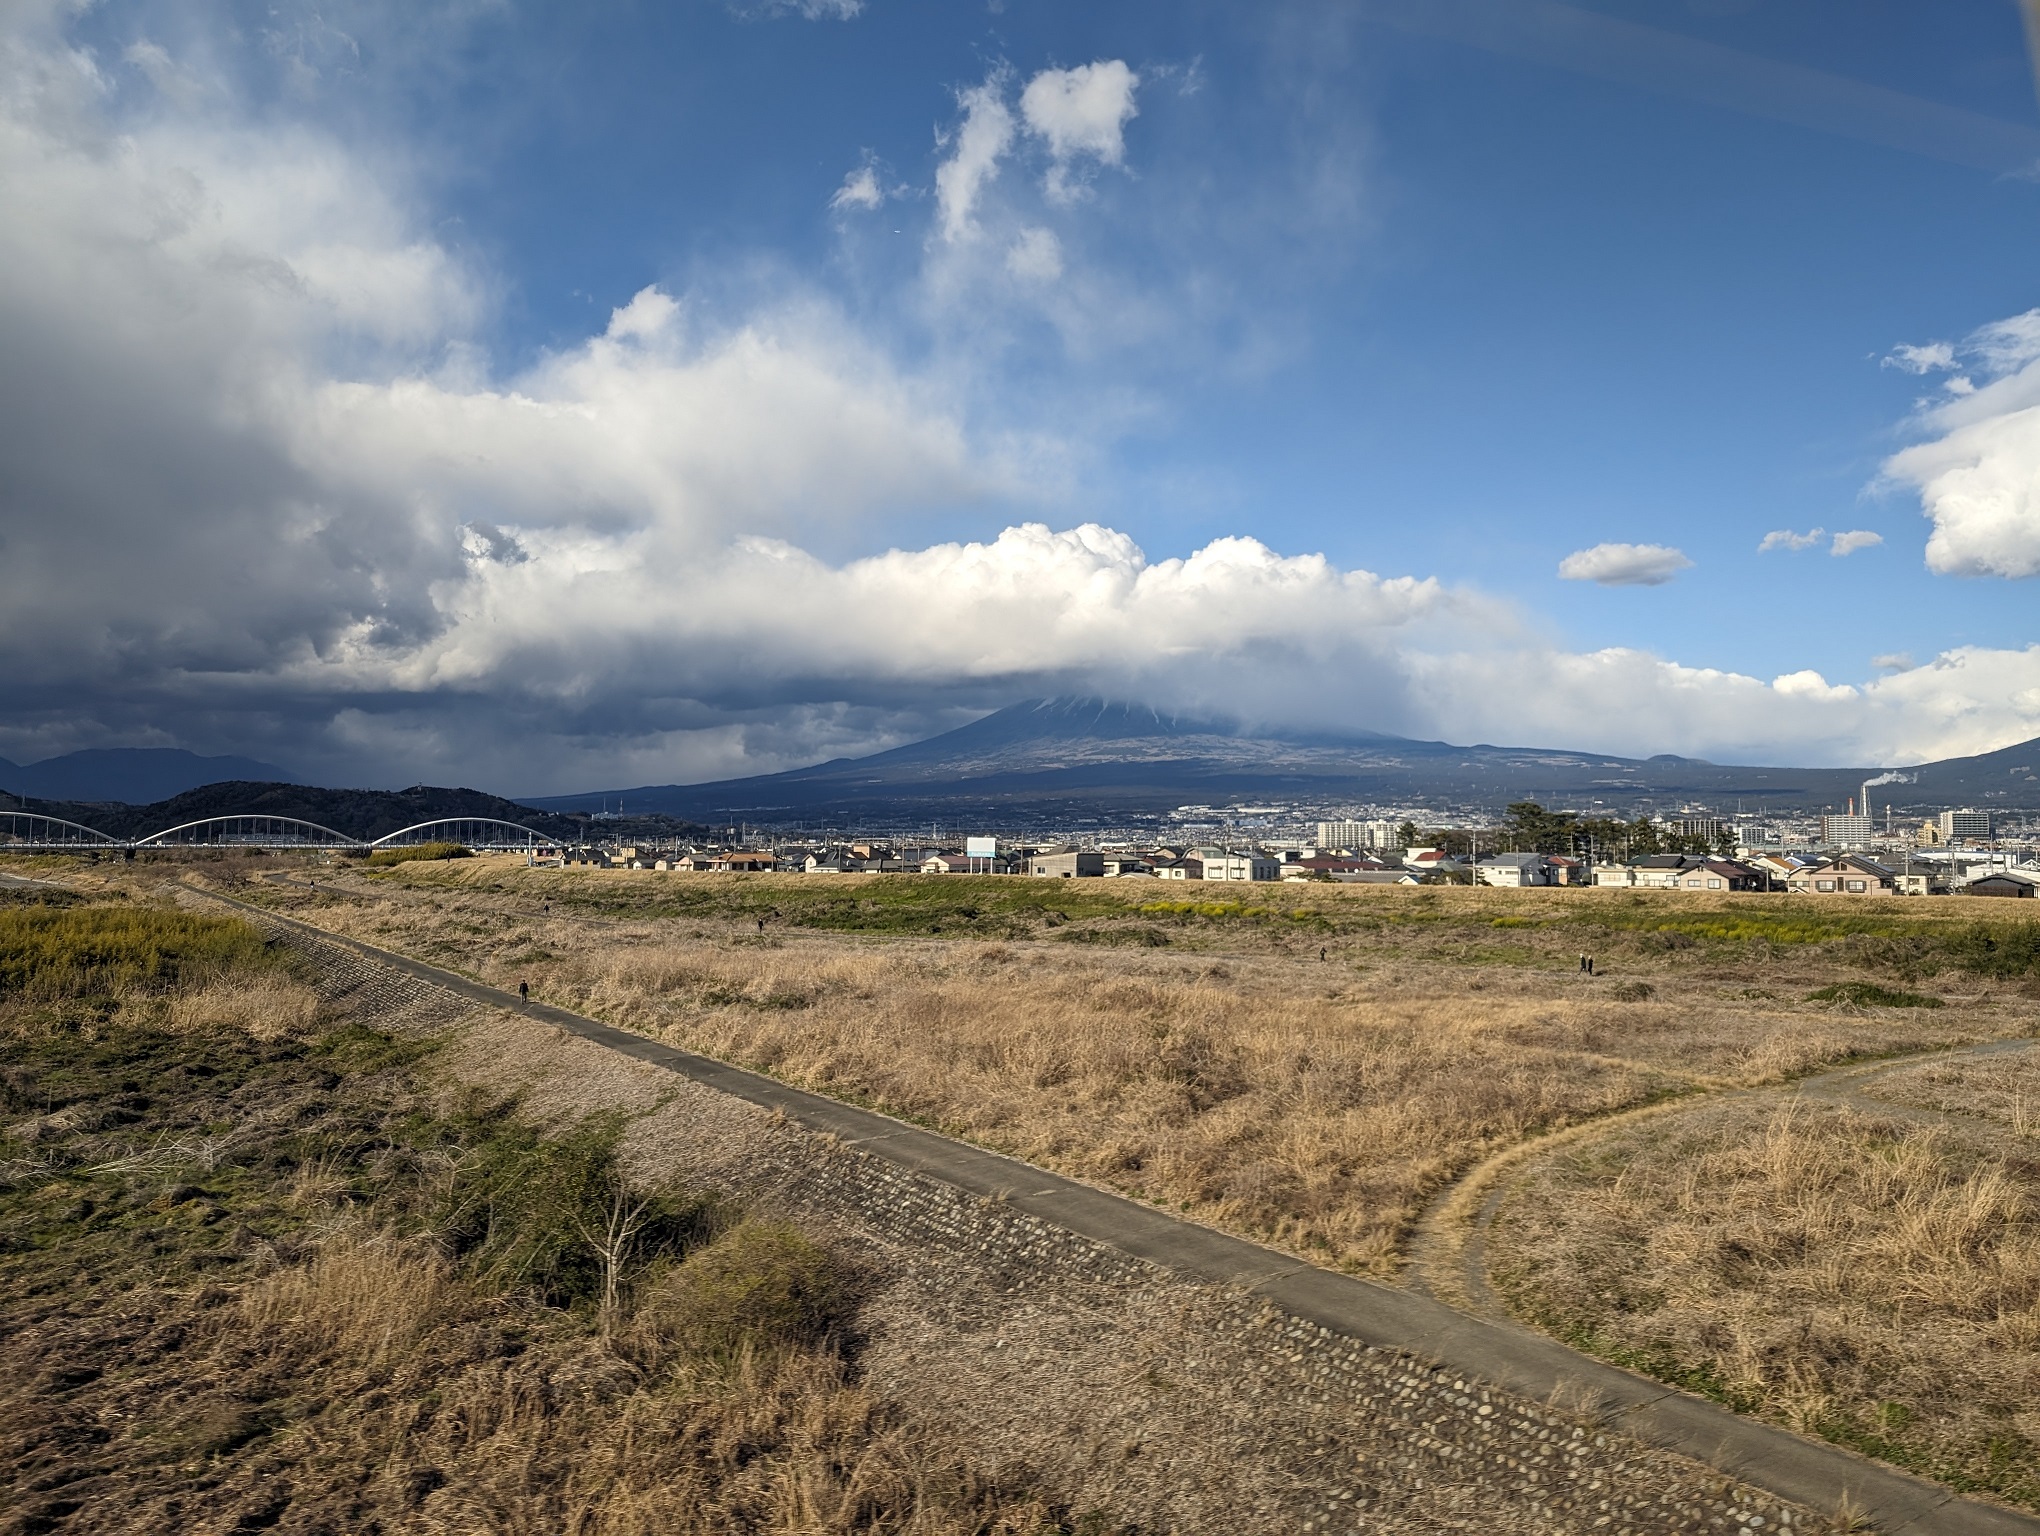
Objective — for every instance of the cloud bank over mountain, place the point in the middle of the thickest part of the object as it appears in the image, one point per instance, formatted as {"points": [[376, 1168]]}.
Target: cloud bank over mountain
{"points": [[267, 490], [1978, 474]]}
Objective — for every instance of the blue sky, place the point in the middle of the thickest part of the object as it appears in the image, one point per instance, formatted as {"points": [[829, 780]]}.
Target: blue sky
{"points": [[558, 396]]}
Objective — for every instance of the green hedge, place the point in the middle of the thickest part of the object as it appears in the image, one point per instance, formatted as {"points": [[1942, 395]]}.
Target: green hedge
{"points": [[383, 857]]}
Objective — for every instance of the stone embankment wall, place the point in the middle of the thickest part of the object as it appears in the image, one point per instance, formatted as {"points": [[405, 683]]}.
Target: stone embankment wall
{"points": [[1161, 1403]]}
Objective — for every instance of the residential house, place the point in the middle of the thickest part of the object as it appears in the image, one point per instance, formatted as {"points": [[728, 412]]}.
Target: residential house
{"points": [[1721, 875], [964, 864], [1324, 866], [1847, 874], [1237, 866], [1512, 869], [1776, 868], [1433, 861], [1569, 871], [2005, 882], [1067, 865]]}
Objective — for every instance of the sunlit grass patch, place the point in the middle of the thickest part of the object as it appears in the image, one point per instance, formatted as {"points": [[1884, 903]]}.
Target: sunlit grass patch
{"points": [[1867, 994], [51, 952], [418, 853]]}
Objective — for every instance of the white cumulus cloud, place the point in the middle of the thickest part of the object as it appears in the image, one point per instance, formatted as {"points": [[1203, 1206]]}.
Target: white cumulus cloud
{"points": [[1848, 542], [1978, 474], [1624, 565], [1081, 114], [977, 144], [1785, 538], [860, 189], [1933, 357], [266, 491]]}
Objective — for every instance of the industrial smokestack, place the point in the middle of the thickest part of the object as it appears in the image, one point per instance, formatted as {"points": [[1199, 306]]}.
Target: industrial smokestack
{"points": [[1883, 778]]}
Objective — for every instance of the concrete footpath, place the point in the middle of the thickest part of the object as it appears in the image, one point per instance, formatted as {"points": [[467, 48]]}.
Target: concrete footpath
{"points": [[1807, 1472]]}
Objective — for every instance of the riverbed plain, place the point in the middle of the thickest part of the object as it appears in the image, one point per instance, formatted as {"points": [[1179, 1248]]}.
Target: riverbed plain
{"points": [[1783, 1151]]}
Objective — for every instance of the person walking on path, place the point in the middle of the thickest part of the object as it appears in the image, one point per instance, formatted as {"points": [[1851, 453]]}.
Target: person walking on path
{"points": [[524, 992]]}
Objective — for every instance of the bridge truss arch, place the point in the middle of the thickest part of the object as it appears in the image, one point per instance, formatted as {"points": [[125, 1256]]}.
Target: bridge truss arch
{"points": [[483, 832], [27, 829], [248, 832]]}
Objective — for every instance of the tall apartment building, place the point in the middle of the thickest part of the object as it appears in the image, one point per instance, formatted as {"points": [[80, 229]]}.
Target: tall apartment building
{"points": [[1356, 834], [1960, 824], [1709, 827], [1848, 831]]}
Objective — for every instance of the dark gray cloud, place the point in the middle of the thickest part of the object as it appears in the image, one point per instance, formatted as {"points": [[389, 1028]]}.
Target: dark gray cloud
{"points": [[261, 492]]}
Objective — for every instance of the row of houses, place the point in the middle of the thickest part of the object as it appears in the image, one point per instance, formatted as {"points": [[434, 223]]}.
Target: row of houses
{"points": [[1845, 874]]}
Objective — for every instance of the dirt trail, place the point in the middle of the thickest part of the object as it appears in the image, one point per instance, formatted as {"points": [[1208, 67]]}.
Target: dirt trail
{"points": [[1448, 1246]]}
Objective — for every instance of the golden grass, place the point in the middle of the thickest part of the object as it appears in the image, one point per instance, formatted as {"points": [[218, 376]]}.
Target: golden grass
{"points": [[1853, 1275], [267, 1005], [2002, 1090], [424, 1423], [237, 1297], [1233, 1073]]}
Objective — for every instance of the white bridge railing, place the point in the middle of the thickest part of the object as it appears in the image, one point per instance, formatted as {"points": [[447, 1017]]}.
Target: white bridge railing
{"points": [[31, 831]]}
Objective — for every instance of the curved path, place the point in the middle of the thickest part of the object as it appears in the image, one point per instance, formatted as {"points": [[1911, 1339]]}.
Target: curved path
{"points": [[1448, 1247], [1518, 1361]]}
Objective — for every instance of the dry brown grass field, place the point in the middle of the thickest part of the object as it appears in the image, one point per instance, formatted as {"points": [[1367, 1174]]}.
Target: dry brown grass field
{"points": [[1862, 1277], [1316, 1067], [1191, 1047], [264, 1268]]}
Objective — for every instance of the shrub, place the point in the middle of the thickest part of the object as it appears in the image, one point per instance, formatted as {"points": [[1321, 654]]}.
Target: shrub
{"points": [[760, 1285], [526, 1212], [1632, 991], [382, 858], [51, 952], [1865, 994], [2000, 951]]}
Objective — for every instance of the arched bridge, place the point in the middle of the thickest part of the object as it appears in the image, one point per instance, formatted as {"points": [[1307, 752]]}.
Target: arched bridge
{"points": [[469, 832], [25, 829], [248, 832], [31, 831]]}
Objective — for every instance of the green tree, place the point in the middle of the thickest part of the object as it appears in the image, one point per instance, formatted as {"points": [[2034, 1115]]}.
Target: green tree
{"points": [[1532, 829], [1643, 838], [1408, 836]]}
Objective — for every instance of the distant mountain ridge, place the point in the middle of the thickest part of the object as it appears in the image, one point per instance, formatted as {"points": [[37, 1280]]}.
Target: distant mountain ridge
{"points": [[1080, 758], [132, 775]]}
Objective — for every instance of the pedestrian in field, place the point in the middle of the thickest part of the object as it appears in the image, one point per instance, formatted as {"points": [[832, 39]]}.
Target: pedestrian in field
{"points": [[1583, 965], [524, 992], [547, 909], [1321, 954]]}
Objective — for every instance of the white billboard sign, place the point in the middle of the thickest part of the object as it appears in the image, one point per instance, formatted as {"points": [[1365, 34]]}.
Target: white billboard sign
{"points": [[981, 848]]}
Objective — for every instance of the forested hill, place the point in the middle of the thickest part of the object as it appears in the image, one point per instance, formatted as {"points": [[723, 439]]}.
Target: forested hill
{"points": [[362, 813]]}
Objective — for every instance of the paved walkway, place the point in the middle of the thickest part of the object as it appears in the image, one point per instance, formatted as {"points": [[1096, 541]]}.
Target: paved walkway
{"points": [[1819, 1476]]}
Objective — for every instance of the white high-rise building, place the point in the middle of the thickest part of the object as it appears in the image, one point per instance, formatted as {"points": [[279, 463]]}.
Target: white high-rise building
{"points": [[1356, 834], [1961, 824]]}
